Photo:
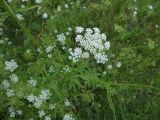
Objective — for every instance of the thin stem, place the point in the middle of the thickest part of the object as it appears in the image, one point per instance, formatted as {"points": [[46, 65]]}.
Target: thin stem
{"points": [[22, 9], [12, 14]]}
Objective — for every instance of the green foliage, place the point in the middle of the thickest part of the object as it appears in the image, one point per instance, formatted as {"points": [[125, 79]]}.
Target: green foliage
{"points": [[95, 92]]}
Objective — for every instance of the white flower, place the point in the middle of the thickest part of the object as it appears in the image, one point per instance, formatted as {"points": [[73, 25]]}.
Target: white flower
{"points": [[32, 82], [23, 6], [9, 1], [39, 50], [101, 58], [45, 95], [89, 30], [96, 30], [76, 54], [59, 8], [67, 33], [63, 48], [12, 114], [10, 109], [79, 38], [19, 112], [157, 26], [69, 29], [51, 106], [67, 103], [51, 69], [10, 92], [49, 55], [66, 69], [66, 6], [38, 102], [38, 1], [61, 38], [11, 65], [14, 78], [5, 84], [41, 113], [119, 64], [134, 13], [6, 39], [31, 98], [55, 31], [107, 45], [90, 42], [47, 117], [150, 7], [2, 41], [79, 29], [85, 55], [103, 37], [19, 16], [45, 15], [104, 72], [9, 43], [28, 51], [68, 117], [49, 49]]}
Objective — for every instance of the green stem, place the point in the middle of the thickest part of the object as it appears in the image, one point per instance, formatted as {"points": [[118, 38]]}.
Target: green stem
{"points": [[12, 14], [22, 9], [110, 101]]}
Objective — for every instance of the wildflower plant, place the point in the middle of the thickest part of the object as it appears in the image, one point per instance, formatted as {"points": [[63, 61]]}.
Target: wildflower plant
{"points": [[79, 60]]}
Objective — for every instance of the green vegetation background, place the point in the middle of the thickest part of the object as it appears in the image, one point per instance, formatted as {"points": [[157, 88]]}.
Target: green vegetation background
{"points": [[131, 92]]}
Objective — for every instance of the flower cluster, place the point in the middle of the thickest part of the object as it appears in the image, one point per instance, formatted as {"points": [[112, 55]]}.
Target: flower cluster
{"points": [[6, 85], [150, 7], [19, 16], [100, 57], [90, 43], [52, 106], [51, 69], [49, 50], [66, 69], [38, 1], [38, 101], [67, 103], [43, 114], [10, 92], [14, 112], [14, 78], [11, 65], [77, 54], [32, 82], [68, 117], [61, 38], [45, 15]]}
